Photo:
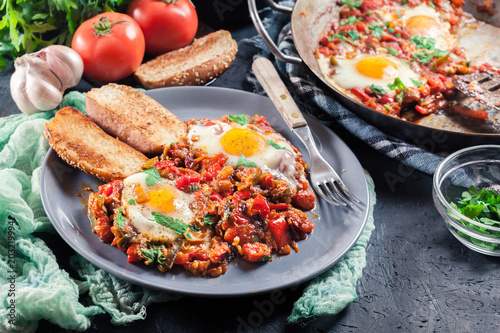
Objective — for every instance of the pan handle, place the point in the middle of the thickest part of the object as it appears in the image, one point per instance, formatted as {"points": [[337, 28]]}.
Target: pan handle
{"points": [[252, 7]]}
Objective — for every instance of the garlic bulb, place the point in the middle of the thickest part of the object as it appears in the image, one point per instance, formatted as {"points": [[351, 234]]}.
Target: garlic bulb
{"points": [[42, 77]]}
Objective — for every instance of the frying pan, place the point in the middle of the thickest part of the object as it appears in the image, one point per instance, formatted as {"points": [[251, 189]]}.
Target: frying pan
{"points": [[310, 20]]}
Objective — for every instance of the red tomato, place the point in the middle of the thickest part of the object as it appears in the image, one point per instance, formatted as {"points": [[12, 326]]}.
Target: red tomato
{"points": [[117, 49], [167, 24]]}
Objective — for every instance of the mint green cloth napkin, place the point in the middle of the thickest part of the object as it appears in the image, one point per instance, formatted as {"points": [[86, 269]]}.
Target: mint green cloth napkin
{"points": [[34, 286]]}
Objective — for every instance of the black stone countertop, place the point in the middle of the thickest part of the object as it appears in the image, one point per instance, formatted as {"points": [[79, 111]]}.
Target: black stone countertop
{"points": [[418, 277]]}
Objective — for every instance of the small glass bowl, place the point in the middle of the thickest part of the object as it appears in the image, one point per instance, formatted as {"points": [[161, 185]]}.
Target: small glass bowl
{"points": [[478, 166]]}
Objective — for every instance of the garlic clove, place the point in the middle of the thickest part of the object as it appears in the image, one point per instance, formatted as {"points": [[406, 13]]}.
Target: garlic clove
{"points": [[43, 95], [40, 68], [65, 63], [18, 91]]}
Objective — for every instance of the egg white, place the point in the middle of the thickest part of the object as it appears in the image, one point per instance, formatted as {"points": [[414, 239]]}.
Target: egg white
{"points": [[279, 162], [140, 214], [347, 76]]}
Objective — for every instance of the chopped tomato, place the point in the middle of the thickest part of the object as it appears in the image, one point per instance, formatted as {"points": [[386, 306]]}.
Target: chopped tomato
{"points": [[361, 94], [103, 229], [243, 194], [255, 252], [281, 231], [266, 181], [111, 190], [304, 199], [211, 173], [218, 251], [258, 205], [279, 206], [184, 182], [133, 252], [160, 165]]}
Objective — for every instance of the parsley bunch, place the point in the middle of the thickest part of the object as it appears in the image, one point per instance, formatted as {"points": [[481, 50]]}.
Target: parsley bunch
{"points": [[426, 43], [482, 206], [28, 26]]}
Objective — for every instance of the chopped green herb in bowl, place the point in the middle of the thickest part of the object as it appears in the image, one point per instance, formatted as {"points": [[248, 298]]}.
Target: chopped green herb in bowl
{"points": [[466, 192]]}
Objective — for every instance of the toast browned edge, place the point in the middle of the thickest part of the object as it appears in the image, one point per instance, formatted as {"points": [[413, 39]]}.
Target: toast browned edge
{"points": [[134, 118], [199, 74], [83, 145]]}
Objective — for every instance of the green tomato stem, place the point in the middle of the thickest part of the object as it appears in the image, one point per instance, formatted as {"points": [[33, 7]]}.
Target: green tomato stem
{"points": [[103, 26]]}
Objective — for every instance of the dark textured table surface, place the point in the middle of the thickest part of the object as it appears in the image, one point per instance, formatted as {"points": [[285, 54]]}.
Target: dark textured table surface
{"points": [[418, 277]]}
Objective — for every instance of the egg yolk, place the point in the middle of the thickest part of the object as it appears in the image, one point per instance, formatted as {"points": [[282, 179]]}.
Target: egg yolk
{"points": [[242, 141], [378, 68], [163, 200], [421, 25]]}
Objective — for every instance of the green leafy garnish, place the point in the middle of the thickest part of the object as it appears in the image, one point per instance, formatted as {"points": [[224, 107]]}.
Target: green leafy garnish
{"points": [[176, 225], [241, 119], [391, 30], [440, 53], [193, 188], [376, 30], [427, 43], [194, 227], [399, 96], [393, 51], [354, 35], [351, 4], [416, 83], [131, 201], [482, 206], [209, 219], [351, 20], [378, 90], [153, 254], [397, 84], [274, 144], [424, 57], [264, 258], [243, 162], [153, 176], [120, 219]]}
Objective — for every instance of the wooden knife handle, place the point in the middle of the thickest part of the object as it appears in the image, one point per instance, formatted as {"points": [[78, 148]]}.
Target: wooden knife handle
{"points": [[277, 92]]}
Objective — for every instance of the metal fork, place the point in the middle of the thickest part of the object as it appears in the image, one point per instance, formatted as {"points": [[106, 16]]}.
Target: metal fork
{"points": [[324, 180]]}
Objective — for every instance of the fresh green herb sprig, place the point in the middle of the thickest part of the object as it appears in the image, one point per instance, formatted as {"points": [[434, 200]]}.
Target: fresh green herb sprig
{"points": [[28, 26], [482, 206]]}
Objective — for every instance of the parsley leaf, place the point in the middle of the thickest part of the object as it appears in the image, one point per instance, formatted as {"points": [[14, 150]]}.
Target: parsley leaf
{"points": [[176, 225], [131, 201], [153, 254], [416, 83], [120, 219], [354, 35], [482, 206], [193, 188], [243, 162], [378, 90], [393, 51], [241, 119], [399, 96], [209, 219], [264, 258], [397, 84], [351, 4], [424, 57], [440, 53], [376, 30], [274, 144], [153, 176], [423, 42], [351, 20], [194, 227]]}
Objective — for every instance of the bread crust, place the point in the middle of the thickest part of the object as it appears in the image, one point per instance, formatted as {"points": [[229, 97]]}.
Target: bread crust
{"points": [[134, 118], [83, 145], [164, 71]]}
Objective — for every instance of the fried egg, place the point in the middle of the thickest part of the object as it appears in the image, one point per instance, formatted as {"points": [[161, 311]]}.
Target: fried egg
{"points": [[425, 21], [365, 70], [270, 152], [162, 197]]}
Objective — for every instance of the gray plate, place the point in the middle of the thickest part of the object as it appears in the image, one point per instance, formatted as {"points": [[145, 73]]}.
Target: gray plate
{"points": [[336, 231]]}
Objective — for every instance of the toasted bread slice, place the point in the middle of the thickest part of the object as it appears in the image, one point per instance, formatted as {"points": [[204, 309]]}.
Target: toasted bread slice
{"points": [[83, 145], [204, 59], [134, 118]]}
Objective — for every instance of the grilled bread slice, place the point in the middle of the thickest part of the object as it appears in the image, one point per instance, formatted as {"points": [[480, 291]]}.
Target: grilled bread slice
{"points": [[204, 59], [82, 144], [134, 118]]}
